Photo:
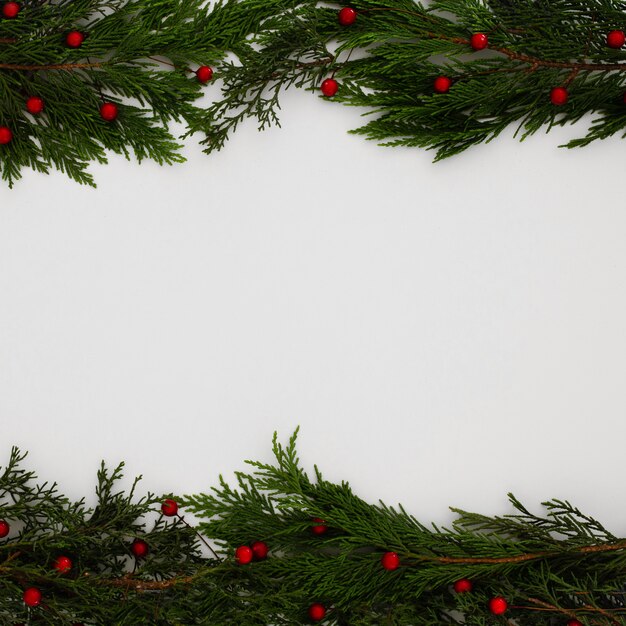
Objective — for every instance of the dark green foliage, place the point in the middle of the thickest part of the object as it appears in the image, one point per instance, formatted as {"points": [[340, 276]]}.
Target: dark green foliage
{"points": [[140, 54], [387, 62], [551, 568]]}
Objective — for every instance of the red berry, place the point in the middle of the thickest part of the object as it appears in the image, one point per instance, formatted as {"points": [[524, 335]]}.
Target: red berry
{"points": [[320, 527], [260, 550], [139, 548], [204, 74], [243, 555], [317, 612], [498, 606], [62, 564], [574, 622], [616, 39], [390, 561], [74, 39], [109, 111], [10, 10], [442, 84], [32, 596], [34, 105], [169, 508], [347, 16], [479, 41], [6, 136], [330, 87], [559, 96], [4, 529], [463, 586]]}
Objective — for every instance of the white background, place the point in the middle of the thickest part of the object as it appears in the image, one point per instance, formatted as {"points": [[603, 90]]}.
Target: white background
{"points": [[442, 333]]}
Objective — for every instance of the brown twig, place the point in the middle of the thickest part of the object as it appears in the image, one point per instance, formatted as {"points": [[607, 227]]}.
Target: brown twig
{"points": [[534, 62], [132, 584], [520, 558], [541, 605], [43, 68]]}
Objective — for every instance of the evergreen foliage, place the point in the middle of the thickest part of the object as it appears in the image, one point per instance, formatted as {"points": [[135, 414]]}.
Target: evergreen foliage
{"points": [[388, 60], [140, 55], [551, 569], [137, 54]]}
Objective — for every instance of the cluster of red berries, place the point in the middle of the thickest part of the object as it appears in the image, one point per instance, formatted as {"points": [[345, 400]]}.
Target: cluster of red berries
{"points": [[109, 111], [559, 96], [33, 597], [346, 17], [139, 547], [616, 39], [62, 565], [497, 605], [256, 551]]}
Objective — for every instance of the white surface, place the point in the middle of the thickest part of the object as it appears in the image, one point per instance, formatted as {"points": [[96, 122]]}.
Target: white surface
{"points": [[442, 333]]}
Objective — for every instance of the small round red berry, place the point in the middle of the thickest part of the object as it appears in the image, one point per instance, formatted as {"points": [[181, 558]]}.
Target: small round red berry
{"points": [[243, 555], [390, 561], [442, 84], [74, 39], [204, 74], [616, 39], [34, 105], [479, 41], [320, 527], [169, 508], [260, 550], [6, 135], [574, 622], [463, 586], [317, 612], [5, 529], [498, 606], [10, 10], [347, 16], [139, 548], [330, 87], [32, 597], [62, 564], [559, 96], [109, 111]]}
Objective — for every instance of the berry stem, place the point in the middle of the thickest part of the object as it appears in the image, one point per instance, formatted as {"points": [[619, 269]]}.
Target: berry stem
{"points": [[204, 541]]}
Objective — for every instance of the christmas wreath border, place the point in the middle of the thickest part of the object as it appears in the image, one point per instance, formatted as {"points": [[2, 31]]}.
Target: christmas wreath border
{"points": [[284, 548], [83, 78]]}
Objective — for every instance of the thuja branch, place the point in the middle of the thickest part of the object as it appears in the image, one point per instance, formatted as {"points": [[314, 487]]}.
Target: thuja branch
{"points": [[80, 79], [347, 554], [445, 75], [289, 548]]}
